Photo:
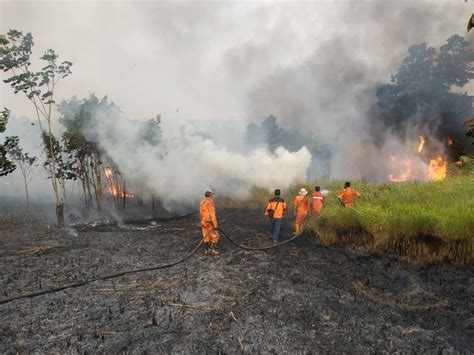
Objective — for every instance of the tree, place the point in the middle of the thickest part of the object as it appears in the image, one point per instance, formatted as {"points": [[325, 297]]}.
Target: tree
{"points": [[151, 131], [26, 163], [82, 145], [38, 86], [268, 133], [420, 94], [7, 166]]}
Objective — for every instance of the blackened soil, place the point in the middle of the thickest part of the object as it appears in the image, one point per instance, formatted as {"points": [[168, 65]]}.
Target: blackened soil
{"points": [[300, 297]]}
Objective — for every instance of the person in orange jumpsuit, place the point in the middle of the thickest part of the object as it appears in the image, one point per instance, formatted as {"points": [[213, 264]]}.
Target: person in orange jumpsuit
{"points": [[318, 201], [301, 210], [207, 213], [348, 195]]}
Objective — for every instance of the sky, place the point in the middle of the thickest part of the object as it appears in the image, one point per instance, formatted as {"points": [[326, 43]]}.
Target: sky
{"points": [[313, 64], [206, 60]]}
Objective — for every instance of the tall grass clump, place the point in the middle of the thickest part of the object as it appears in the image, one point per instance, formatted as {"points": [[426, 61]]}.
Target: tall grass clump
{"points": [[431, 221]]}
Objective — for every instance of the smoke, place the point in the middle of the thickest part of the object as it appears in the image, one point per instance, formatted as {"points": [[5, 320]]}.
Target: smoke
{"points": [[332, 92], [182, 167], [12, 185], [314, 65]]}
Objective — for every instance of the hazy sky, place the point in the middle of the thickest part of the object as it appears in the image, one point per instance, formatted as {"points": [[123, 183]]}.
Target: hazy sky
{"points": [[206, 59]]}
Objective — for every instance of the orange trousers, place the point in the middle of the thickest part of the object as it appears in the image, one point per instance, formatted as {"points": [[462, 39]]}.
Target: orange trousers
{"points": [[299, 221], [209, 234]]}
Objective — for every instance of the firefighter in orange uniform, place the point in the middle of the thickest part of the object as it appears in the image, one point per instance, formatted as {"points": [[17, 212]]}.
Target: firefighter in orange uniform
{"points": [[348, 196], [301, 210], [207, 213], [318, 201]]}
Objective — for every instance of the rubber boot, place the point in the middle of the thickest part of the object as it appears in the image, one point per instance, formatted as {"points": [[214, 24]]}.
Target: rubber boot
{"points": [[297, 229], [207, 248], [213, 250]]}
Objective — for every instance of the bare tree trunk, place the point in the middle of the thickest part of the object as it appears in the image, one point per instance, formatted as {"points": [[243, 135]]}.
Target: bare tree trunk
{"points": [[62, 183], [82, 177], [88, 187], [60, 213], [84, 192], [98, 182], [124, 194], [27, 194]]}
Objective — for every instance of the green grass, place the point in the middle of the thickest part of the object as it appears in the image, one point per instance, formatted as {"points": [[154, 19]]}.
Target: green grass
{"points": [[431, 221]]}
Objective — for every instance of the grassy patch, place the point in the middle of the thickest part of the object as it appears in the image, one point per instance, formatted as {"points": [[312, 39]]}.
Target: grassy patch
{"points": [[431, 221], [43, 249]]}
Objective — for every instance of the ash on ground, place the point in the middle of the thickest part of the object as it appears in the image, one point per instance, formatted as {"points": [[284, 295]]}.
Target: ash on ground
{"points": [[300, 297]]}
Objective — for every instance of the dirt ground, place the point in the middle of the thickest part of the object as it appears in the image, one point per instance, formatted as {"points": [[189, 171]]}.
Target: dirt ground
{"points": [[300, 297]]}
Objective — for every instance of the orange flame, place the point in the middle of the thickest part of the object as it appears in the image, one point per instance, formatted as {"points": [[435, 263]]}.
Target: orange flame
{"points": [[108, 173], [437, 169], [450, 141], [113, 187], [405, 165], [422, 143], [416, 169]]}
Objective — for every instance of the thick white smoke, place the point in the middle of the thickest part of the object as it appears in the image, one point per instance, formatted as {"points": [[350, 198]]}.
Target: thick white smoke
{"points": [[184, 166]]}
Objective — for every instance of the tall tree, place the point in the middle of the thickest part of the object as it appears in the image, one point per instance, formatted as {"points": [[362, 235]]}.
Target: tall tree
{"points": [[268, 133], [420, 93], [79, 118], [38, 86], [151, 131]]}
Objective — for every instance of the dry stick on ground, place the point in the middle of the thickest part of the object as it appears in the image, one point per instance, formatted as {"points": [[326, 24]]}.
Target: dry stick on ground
{"points": [[241, 337], [182, 305]]}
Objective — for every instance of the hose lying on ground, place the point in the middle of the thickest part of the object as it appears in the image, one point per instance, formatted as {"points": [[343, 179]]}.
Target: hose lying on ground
{"points": [[256, 248], [122, 273], [101, 278]]}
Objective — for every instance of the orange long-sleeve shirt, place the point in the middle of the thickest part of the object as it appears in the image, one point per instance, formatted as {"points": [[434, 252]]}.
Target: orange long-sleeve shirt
{"points": [[348, 196], [207, 212], [301, 204], [318, 201]]}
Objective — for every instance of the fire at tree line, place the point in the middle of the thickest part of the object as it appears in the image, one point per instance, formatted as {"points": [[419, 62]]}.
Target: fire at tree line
{"points": [[418, 95]]}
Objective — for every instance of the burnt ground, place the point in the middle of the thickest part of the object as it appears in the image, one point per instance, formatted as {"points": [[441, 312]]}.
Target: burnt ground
{"points": [[300, 297]]}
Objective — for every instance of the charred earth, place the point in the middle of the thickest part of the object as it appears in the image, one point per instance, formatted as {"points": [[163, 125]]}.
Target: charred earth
{"points": [[299, 297]]}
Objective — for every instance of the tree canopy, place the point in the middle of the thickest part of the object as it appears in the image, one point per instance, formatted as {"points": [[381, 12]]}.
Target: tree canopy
{"points": [[420, 93]]}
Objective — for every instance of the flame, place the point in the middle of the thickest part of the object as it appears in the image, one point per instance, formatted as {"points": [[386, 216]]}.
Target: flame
{"points": [[113, 187], [108, 173], [416, 169], [403, 165], [437, 168], [450, 141], [422, 143]]}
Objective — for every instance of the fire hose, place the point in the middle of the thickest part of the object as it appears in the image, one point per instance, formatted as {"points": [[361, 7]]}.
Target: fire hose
{"points": [[122, 273], [101, 278]]}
